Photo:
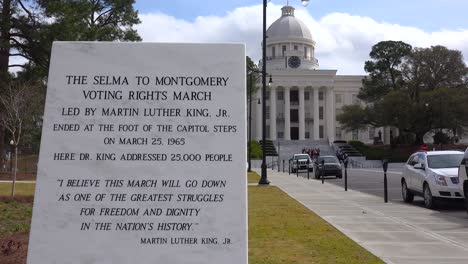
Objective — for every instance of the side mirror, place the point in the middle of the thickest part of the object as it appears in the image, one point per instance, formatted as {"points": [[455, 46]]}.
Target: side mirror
{"points": [[419, 166]]}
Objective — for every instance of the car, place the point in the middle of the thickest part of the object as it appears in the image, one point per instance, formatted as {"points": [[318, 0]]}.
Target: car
{"points": [[331, 167], [432, 175], [463, 177], [301, 162]]}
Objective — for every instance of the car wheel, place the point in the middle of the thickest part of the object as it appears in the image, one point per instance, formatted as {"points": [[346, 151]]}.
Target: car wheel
{"points": [[428, 198], [339, 176], [407, 195]]}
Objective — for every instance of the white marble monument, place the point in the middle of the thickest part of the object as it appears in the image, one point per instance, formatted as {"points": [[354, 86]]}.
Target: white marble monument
{"points": [[142, 156]]}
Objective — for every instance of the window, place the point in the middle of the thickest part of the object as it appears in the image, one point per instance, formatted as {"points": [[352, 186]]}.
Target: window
{"points": [[307, 134], [320, 131], [355, 134], [294, 115], [280, 95], [284, 50], [267, 132], [444, 161], [321, 113], [338, 99], [267, 95], [295, 47], [267, 113], [273, 52], [305, 52], [306, 96], [320, 95], [412, 160], [338, 133], [371, 132], [280, 135]]}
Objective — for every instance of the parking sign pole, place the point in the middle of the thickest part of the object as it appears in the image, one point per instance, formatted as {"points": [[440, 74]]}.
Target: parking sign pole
{"points": [[323, 171], [346, 174], [385, 166], [283, 166], [308, 162]]}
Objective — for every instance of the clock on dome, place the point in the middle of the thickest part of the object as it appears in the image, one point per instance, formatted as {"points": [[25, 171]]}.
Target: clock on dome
{"points": [[294, 62]]}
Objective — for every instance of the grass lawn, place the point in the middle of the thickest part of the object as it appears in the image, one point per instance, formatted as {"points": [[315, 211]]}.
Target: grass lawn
{"points": [[253, 177], [14, 217], [281, 230], [24, 189]]}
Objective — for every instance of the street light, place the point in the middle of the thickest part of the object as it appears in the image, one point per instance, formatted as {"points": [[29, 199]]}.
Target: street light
{"points": [[12, 142], [263, 179]]}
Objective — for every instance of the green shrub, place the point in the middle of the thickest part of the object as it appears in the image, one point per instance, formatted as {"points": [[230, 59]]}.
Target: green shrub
{"points": [[441, 138], [255, 150], [357, 144]]}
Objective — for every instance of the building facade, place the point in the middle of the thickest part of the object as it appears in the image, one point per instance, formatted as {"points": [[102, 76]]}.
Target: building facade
{"points": [[303, 101]]}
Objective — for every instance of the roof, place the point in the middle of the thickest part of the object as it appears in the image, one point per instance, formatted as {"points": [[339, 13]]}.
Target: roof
{"points": [[288, 27], [440, 152]]}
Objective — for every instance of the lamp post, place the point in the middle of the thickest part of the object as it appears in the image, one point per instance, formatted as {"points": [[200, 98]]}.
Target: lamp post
{"points": [[12, 142], [263, 179]]}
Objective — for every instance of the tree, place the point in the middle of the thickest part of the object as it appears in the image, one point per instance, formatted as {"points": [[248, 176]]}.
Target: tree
{"points": [[427, 69], [253, 74], [20, 26], [384, 69], [416, 92], [91, 20], [21, 103], [28, 28]]}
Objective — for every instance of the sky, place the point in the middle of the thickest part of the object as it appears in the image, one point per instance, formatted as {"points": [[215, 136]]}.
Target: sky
{"points": [[344, 30]]}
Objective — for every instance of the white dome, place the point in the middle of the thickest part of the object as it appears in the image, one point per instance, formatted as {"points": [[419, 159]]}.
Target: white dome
{"points": [[287, 27]]}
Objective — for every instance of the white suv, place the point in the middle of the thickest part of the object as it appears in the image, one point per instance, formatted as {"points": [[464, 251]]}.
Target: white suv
{"points": [[463, 176], [431, 175], [301, 162]]}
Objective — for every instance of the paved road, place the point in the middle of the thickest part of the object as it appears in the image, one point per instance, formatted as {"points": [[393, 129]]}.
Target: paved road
{"points": [[397, 232], [371, 181]]}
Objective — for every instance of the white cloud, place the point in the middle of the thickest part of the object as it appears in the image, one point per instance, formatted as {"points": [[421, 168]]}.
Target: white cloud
{"points": [[343, 41]]}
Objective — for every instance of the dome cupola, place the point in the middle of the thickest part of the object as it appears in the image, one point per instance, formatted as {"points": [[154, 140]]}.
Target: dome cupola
{"points": [[288, 27], [289, 44]]}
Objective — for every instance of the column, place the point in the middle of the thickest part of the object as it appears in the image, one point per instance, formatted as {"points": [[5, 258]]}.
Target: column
{"points": [[330, 115], [272, 113], [287, 114], [301, 114], [316, 113], [258, 115]]}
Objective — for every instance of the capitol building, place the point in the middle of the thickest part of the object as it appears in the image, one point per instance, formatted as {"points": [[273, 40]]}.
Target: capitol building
{"points": [[303, 100]]}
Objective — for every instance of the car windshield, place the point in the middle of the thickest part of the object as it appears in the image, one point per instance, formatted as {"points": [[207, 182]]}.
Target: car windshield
{"points": [[305, 156], [444, 161], [328, 160]]}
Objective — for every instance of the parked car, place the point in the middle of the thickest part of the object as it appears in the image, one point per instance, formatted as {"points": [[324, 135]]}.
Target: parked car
{"points": [[432, 175], [331, 167], [301, 162], [463, 177]]}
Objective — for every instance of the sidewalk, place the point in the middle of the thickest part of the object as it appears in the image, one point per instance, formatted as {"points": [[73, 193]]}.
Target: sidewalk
{"points": [[395, 232]]}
